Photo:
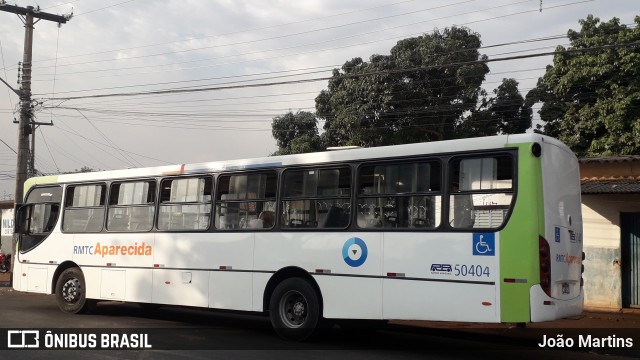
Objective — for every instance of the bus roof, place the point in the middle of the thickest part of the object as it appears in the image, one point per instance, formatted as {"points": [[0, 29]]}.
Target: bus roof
{"points": [[434, 147]]}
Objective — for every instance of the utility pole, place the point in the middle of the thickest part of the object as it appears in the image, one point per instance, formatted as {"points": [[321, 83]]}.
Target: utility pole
{"points": [[25, 125]]}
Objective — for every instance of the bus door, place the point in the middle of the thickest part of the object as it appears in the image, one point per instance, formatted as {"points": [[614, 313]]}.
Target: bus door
{"points": [[35, 221]]}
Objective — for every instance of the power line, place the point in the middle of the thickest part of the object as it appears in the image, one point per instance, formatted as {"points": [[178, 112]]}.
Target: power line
{"points": [[317, 69], [111, 146], [235, 113], [235, 32], [169, 102], [104, 8], [5, 73], [109, 141], [306, 44], [279, 37], [61, 123], [54, 6], [10, 148], [386, 72], [48, 149], [311, 51], [410, 111]]}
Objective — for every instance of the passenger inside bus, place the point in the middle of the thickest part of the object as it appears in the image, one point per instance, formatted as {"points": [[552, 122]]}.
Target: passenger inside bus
{"points": [[267, 218]]}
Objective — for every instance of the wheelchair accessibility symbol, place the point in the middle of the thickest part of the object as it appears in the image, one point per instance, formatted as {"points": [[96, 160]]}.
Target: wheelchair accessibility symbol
{"points": [[354, 252], [484, 244]]}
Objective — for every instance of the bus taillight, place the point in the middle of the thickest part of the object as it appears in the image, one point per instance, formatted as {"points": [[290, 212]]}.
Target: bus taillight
{"points": [[545, 265]]}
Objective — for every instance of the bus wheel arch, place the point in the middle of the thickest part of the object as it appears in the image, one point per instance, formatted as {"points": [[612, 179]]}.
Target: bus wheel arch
{"points": [[62, 267], [294, 303], [286, 273], [71, 290]]}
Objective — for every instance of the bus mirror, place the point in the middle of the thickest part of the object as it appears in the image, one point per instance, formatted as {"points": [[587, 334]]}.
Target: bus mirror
{"points": [[21, 222]]}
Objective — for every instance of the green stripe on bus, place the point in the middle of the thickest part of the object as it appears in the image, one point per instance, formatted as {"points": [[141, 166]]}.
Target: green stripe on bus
{"points": [[520, 237], [52, 179]]}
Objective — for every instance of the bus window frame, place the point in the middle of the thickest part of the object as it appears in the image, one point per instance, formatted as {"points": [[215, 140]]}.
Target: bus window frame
{"points": [[108, 206], [216, 186], [397, 161], [350, 165], [510, 152], [104, 206], [160, 180]]}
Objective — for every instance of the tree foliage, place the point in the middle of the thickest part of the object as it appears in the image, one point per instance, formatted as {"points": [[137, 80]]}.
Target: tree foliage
{"points": [[296, 133], [591, 98], [428, 88], [419, 92], [503, 113]]}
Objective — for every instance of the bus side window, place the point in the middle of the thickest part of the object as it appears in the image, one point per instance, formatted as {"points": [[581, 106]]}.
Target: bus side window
{"points": [[481, 192], [185, 204], [84, 208], [399, 195], [246, 201], [131, 206], [316, 198]]}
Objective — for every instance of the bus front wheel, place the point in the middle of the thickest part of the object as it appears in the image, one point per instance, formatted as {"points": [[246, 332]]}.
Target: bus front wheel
{"points": [[71, 291], [294, 309]]}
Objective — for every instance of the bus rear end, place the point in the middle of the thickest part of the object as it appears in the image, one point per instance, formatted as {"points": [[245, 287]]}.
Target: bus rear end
{"points": [[560, 292]]}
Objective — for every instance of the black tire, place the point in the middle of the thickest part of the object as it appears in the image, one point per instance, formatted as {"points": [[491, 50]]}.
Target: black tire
{"points": [[71, 292], [294, 309]]}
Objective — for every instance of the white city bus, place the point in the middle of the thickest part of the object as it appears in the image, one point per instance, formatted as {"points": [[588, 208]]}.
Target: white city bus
{"points": [[479, 230]]}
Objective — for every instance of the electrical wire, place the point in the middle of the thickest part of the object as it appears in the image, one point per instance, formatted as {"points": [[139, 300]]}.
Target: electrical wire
{"points": [[303, 45], [169, 102], [373, 73], [120, 151], [111, 146], [104, 8], [276, 37], [259, 29], [48, 149], [5, 75]]}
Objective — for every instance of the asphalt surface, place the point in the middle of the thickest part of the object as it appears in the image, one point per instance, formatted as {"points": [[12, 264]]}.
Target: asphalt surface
{"points": [[186, 333]]}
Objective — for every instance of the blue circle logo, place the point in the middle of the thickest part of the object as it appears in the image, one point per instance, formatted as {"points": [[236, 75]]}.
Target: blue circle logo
{"points": [[354, 252]]}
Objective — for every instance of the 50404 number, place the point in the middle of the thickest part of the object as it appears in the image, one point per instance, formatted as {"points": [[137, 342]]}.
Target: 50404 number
{"points": [[471, 270]]}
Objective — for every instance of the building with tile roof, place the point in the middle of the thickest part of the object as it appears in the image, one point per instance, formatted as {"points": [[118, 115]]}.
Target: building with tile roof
{"points": [[611, 218]]}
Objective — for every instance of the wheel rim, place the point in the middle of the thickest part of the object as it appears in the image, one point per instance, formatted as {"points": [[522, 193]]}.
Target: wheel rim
{"points": [[293, 309], [72, 291]]}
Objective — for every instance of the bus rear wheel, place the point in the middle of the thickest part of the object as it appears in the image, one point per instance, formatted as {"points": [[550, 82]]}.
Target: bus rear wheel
{"points": [[294, 309], [71, 292]]}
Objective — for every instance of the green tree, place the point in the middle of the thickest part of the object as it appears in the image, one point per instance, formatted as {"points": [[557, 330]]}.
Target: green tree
{"points": [[296, 133], [414, 94], [428, 88], [504, 113], [591, 98]]}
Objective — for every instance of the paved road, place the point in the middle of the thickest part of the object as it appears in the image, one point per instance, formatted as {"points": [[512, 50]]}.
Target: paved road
{"points": [[175, 332]]}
